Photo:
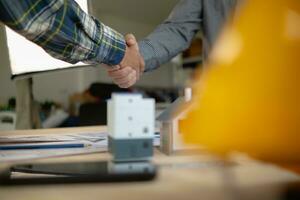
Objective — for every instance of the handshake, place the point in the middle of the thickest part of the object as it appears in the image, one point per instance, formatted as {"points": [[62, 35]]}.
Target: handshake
{"points": [[128, 72]]}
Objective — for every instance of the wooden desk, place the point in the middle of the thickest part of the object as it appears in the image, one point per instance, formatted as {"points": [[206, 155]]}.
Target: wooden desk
{"points": [[247, 179]]}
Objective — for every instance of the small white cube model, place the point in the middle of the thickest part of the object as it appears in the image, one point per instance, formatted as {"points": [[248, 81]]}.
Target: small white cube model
{"points": [[130, 127]]}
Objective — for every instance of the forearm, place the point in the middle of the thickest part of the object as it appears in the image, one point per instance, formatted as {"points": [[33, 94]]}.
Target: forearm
{"points": [[173, 36], [63, 30], [163, 44]]}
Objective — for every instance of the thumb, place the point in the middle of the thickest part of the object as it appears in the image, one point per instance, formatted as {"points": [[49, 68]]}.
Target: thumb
{"points": [[131, 41]]}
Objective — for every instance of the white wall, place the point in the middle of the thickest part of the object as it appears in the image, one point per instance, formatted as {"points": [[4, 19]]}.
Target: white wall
{"points": [[57, 86]]}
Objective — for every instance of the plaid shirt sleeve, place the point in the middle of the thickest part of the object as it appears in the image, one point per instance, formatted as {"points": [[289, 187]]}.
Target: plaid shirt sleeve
{"points": [[63, 30]]}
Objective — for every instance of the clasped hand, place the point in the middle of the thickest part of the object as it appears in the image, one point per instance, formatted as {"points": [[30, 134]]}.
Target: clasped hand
{"points": [[128, 72]]}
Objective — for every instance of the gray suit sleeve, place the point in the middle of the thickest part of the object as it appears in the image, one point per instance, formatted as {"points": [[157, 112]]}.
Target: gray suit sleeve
{"points": [[173, 36]]}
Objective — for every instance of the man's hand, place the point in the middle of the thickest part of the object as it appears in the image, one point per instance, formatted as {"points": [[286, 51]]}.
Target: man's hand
{"points": [[132, 57], [124, 77], [132, 66]]}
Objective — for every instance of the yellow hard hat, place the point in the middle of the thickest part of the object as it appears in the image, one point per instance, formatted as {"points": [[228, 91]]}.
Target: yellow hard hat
{"points": [[249, 98]]}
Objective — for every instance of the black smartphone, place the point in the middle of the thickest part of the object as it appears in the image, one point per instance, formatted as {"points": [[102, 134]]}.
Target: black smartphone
{"points": [[78, 172]]}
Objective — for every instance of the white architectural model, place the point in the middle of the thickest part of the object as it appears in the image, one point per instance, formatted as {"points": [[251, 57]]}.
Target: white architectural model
{"points": [[171, 139], [130, 127]]}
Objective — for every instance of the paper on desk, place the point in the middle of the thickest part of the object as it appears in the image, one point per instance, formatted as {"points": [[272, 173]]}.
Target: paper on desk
{"points": [[52, 138], [97, 143]]}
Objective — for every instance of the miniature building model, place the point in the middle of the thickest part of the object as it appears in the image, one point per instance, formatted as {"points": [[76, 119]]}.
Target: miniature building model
{"points": [[170, 136], [130, 127]]}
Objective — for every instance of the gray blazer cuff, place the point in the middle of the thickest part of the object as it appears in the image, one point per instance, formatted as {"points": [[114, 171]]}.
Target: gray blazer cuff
{"points": [[149, 54]]}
